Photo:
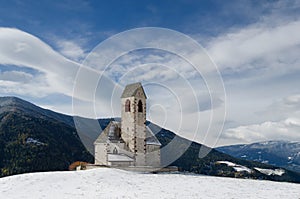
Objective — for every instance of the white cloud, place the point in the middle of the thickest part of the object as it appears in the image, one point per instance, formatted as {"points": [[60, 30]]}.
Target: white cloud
{"points": [[255, 44], [71, 50], [15, 76], [278, 121], [245, 49], [57, 74], [22, 49], [260, 66], [287, 129], [19, 88], [23, 83], [282, 108]]}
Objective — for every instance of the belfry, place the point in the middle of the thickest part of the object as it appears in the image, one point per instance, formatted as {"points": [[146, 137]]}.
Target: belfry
{"points": [[129, 142]]}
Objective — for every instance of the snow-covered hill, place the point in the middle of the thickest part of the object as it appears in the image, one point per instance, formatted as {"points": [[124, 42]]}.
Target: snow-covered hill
{"points": [[279, 153], [113, 183], [35, 139]]}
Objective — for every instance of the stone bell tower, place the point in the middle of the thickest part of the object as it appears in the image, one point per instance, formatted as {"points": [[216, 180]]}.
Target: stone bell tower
{"points": [[133, 121]]}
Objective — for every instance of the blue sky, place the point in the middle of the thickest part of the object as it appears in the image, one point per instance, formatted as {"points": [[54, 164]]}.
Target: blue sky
{"points": [[255, 44], [91, 21]]}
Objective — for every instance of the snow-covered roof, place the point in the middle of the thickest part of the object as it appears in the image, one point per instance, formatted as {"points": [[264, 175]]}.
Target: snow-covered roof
{"points": [[111, 133], [113, 130], [131, 90], [151, 138], [119, 158]]}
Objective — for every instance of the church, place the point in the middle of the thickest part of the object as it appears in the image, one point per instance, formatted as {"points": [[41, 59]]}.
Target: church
{"points": [[129, 142]]}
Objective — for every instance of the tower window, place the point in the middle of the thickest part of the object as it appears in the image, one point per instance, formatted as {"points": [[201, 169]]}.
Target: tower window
{"points": [[127, 106], [140, 106], [115, 151]]}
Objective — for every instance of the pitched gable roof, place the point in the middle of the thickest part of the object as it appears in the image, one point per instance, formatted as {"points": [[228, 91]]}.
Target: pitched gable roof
{"points": [[119, 158], [151, 139], [131, 90], [110, 134], [105, 136]]}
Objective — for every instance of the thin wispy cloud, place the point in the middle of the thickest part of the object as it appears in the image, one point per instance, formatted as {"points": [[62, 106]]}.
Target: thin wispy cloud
{"points": [[57, 74], [256, 44], [71, 50]]}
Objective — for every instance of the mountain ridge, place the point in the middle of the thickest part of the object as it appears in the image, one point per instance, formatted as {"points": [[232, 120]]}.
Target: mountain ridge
{"points": [[11, 103], [36, 139], [280, 153], [33, 140]]}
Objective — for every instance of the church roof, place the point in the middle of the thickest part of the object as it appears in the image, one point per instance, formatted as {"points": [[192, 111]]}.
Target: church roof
{"points": [[118, 158], [151, 138], [131, 90], [112, 133]]}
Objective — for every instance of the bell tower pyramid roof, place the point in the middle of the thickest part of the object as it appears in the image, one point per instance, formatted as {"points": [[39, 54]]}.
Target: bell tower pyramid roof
{"points": [[131, 90]]}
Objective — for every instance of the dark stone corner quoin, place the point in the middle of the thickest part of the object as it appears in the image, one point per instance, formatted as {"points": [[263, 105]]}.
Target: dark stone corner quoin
{"points": [[33, 139]]}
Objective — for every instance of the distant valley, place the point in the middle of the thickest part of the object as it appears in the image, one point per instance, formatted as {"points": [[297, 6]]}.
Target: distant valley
{"points": [[279, 153]]}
